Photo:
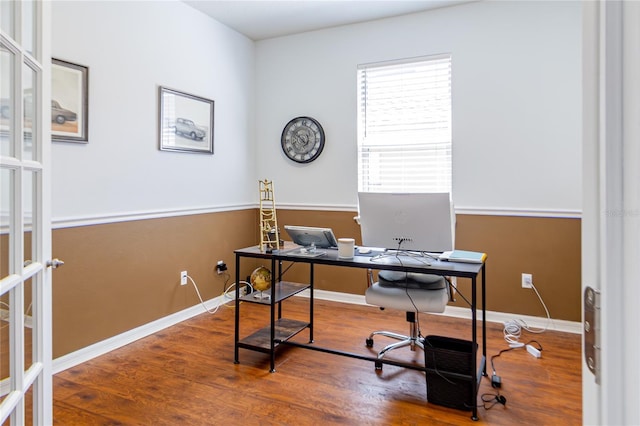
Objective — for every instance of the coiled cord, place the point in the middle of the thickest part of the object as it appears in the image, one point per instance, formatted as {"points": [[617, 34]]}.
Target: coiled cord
{"points": [[513, 329], [225, 295]]}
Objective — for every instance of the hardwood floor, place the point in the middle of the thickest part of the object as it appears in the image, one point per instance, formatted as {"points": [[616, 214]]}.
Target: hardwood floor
{"points": [[185, 375]]}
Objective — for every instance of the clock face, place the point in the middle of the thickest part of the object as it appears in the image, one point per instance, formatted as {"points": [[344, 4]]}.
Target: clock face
{"points": [[302, 139]]}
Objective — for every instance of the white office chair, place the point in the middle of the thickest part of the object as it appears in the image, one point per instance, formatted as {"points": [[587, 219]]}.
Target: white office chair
{"points": [[409, 292]]}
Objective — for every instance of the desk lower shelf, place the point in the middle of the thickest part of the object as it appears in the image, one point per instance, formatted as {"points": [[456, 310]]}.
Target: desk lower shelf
{"points": [[283, 290], [261, 339]]}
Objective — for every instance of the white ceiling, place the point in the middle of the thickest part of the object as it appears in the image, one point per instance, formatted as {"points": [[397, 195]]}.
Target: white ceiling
{"points": [[262, 19]]}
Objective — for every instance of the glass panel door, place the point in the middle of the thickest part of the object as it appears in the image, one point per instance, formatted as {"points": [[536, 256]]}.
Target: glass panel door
{"points": [[7, 101], [25, 224]]}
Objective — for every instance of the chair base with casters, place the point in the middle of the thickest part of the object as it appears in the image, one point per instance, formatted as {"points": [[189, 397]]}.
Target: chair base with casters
{"points": [[411, 293]]}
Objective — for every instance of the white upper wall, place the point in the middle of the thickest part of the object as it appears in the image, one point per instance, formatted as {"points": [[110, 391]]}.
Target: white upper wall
{"points": [[516, 102], [131, 48], [516, 106]]}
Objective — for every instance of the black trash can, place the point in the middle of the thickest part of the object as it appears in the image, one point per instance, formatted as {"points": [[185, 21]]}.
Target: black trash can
{"points": [[444, 356]]}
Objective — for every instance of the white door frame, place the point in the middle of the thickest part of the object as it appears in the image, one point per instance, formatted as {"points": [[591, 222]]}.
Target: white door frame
{"points": [[26, 210], [629, 216], [611, 210]]}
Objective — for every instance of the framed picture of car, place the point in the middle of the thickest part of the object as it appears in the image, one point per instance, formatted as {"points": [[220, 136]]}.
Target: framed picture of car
{"points": [[69, 102], [186, 122]]}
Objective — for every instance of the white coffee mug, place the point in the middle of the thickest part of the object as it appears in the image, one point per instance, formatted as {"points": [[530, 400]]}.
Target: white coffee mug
{"points": [[346, 246]]}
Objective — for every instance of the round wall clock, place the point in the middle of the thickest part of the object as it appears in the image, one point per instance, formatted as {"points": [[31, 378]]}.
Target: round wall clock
{"points": [[302, 139]]}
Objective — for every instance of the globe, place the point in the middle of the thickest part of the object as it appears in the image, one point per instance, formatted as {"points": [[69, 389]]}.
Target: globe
{"points": [[261, 281]]}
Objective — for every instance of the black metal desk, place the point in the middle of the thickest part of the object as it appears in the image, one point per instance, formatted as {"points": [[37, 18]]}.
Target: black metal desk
{"points": [[280, 330]]}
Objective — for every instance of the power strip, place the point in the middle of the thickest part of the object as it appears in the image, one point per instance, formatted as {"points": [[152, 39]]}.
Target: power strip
{"points": [[535, 352]]}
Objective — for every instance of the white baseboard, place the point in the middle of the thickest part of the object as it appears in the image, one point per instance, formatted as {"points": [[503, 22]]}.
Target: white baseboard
{"points": [[115, 342], [460, 312]]}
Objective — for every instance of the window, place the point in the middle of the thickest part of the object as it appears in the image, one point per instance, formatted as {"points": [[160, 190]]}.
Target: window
{"points": [[404, 125]]}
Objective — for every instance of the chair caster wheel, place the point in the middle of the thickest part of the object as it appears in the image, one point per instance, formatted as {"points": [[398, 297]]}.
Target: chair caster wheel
{"points": [[369, 343], [378, 365]]}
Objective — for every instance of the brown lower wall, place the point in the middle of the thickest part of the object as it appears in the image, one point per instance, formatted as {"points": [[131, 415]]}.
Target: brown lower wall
{"points": [[120, 276], [548, 248]]}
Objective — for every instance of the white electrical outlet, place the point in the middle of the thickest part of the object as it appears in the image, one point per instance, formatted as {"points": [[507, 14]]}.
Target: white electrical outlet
{"points": [[527, 280], [243, 290], [183, 278]]}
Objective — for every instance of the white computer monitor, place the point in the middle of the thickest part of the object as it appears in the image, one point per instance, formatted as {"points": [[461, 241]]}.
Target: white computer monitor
{"points": [[417, 221], [307, 236]]}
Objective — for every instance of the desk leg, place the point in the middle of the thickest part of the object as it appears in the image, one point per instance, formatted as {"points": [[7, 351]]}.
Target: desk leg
{"points": [[474, 351], [484, 320], [272, 306], [277, 281], [311, 303], [237, 328]]}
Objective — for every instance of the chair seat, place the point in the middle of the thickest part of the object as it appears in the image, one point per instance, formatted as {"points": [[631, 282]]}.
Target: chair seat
{"points": [[411, 280], [404, 299]]}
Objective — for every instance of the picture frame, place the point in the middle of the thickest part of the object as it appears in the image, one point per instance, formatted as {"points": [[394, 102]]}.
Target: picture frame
{"points": [[186, 122], [69, 102]]}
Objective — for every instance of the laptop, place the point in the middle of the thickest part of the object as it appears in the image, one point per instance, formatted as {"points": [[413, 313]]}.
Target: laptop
{"points": [[308, 236]]}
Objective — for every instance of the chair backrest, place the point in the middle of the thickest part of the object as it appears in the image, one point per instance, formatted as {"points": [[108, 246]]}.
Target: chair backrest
{"points": [[418, 221]]}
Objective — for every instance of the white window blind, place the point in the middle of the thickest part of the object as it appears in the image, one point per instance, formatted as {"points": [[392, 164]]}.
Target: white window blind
{"points": [[404, 125]]}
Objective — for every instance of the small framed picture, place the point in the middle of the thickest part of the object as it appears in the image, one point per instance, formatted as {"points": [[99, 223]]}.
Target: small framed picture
{"points": [[69, 102], [186, 122]]}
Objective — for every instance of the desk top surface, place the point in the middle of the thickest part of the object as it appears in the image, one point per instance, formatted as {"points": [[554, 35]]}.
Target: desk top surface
{"points": [[376, 259]]}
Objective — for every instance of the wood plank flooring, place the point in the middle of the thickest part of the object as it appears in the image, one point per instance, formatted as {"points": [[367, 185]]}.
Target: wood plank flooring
{"points": [[185, 375]]}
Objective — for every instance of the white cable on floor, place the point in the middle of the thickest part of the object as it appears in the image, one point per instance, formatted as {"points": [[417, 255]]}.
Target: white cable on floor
{"points": [[225, 294], [513, 329]]}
